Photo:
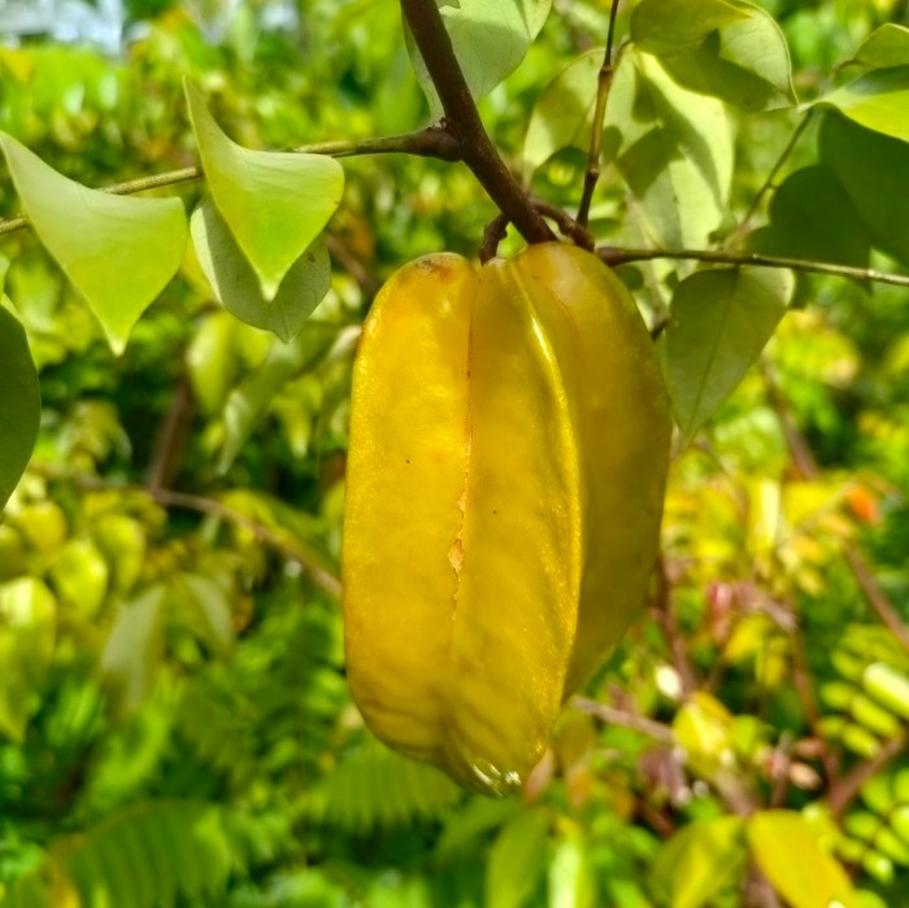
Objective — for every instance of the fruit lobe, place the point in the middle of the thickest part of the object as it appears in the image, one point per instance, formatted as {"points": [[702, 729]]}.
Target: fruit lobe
{"points": [[508, 450]]}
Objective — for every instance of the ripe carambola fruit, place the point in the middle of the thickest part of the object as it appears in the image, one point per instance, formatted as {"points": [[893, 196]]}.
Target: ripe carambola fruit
{"points": [[508, 451]]}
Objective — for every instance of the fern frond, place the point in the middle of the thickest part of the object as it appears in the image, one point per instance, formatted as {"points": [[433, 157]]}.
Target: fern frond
{"points": [[150, 855], [375, 787]]}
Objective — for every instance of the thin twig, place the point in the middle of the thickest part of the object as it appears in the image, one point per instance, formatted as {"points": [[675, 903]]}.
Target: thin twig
{"points": [[172, 436], [770, 182], [291, 549], [463, 119], [493, 235], [604, 81], [613, 256], [612, 715], [432, 142]]}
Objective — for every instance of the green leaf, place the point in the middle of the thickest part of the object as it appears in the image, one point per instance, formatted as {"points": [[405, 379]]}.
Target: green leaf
{"points": [[275, 203], [874, 171], [813, 217], [699, 861], [133, 650], [118, 251], [786, 848], [674, 148], [490, 39], [735, 51], [516, 860], [20, 404], [721, 320], [236, 286], [249, 402], [563, 114], [878, 100], [661, 26], [885, 47]]}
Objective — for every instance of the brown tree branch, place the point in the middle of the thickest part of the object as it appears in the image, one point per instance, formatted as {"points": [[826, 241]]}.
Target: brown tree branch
{"points": [[604, 81], [463, 119], [613, 256]]}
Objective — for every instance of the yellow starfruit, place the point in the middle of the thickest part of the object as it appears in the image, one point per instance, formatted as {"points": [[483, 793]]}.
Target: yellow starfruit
{"points": [[509, 444]]}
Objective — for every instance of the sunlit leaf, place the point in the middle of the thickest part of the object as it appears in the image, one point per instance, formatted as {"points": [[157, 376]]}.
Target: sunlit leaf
{"points": [[699, 861], [735, 51], [233, 280], [786, 848], [275, 203], [674, 148], [878, 100], [721, 319], [490, 39], [885, 47], [20, 404], [118, 251], [28, 621], [563, 114]]}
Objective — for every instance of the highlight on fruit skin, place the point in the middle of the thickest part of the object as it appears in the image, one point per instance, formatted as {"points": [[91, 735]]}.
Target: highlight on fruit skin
{"points": [[509, 443]]}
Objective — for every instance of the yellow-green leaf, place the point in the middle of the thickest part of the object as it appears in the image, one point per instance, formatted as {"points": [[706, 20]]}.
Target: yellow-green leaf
{"points": [[275, 203], [118, 251], [787, 849]]}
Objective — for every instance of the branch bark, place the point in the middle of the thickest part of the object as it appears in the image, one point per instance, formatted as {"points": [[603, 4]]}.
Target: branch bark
{"points": [[613, 256], [604, 82], [463, 119]]}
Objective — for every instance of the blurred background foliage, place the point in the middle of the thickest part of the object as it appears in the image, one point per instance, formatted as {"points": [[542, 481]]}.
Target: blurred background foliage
{"points": [[175, 728]]}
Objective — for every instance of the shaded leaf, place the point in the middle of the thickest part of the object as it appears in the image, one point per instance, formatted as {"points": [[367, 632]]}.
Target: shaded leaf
{"points": [[118, 251], [275, 203], [20, 404], [735, 51], [563, 114], [133, 649], [721, 320], [786, 848], [661, 26], [874, 171], [812, 217], [674, 148], [236, 286], [490, 39], [878, 100]]}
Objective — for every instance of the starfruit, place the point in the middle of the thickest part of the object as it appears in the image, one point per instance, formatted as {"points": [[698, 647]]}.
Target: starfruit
{"points": [[509, 444]]}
